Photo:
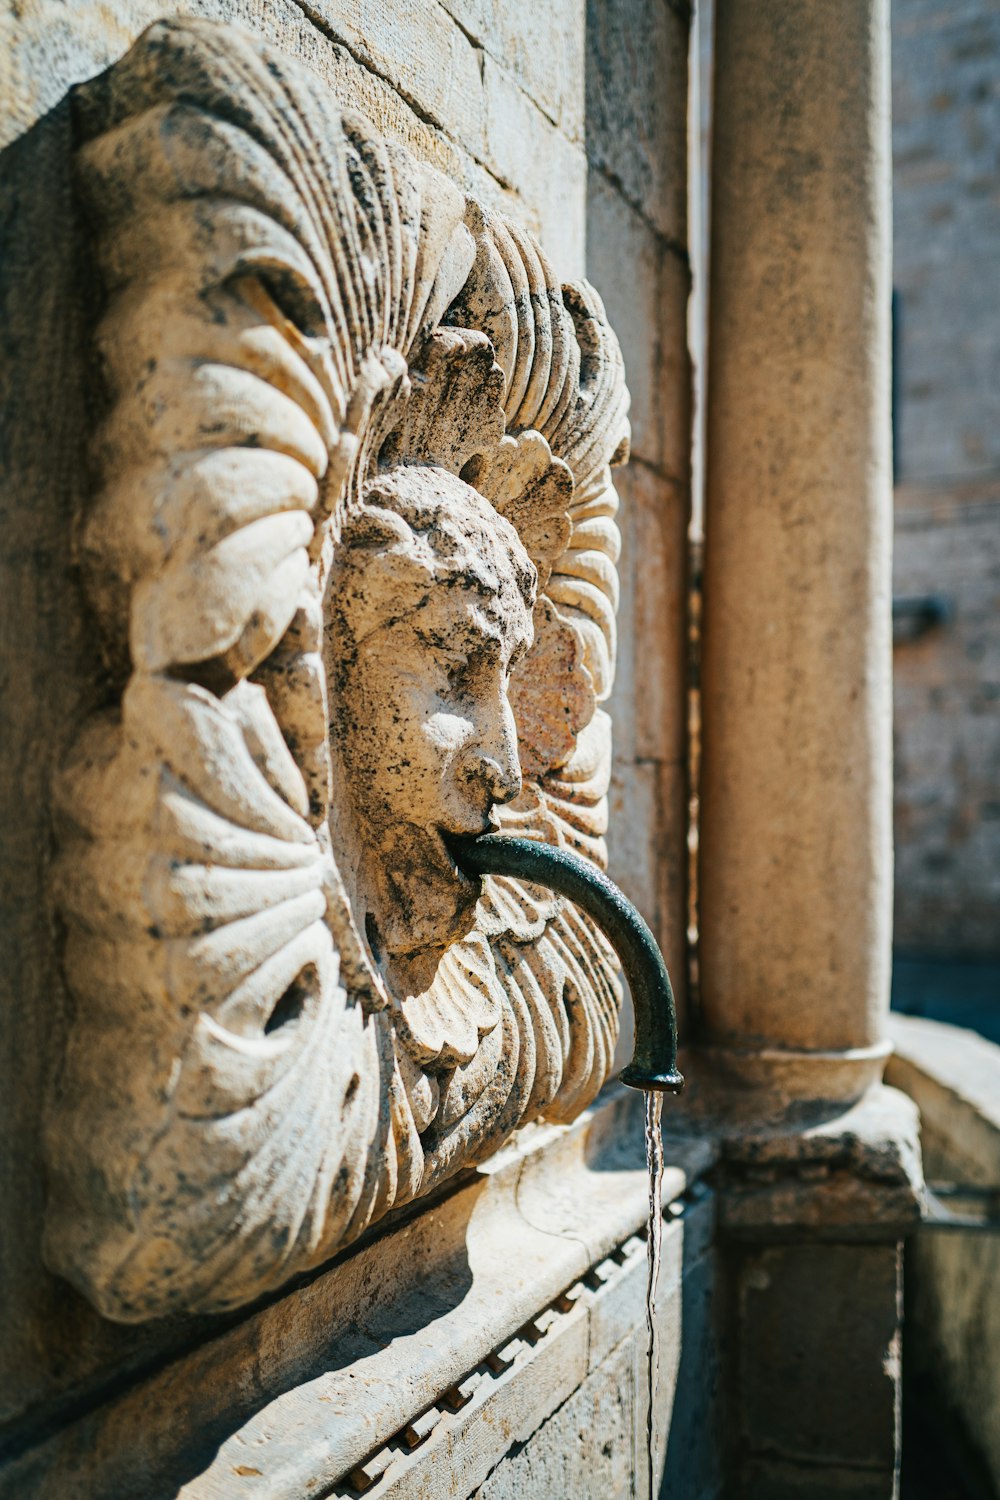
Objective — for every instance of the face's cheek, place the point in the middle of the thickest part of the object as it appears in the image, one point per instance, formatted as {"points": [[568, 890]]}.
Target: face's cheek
{"points": [[425, 741], [416, 899], [450, 736], [405, 743]]}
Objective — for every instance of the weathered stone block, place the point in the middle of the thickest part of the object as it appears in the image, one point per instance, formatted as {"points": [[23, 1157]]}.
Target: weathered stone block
{"points": [[584, 1448], [542, 47], [649, 310], [650, 799], [659, 514], [675, 367], [818, 1354], [636, 106], [418, 48], [647, 843], [525, 151]]}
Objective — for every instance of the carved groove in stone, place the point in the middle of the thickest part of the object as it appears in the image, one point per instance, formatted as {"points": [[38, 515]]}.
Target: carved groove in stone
{"points": [[352, 554]]}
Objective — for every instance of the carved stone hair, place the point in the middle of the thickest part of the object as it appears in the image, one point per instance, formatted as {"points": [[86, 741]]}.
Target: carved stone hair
{"points": [[435, 531]]}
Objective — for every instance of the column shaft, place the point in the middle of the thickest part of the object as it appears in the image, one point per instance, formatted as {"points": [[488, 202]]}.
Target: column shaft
{"points": [[796, 873]]}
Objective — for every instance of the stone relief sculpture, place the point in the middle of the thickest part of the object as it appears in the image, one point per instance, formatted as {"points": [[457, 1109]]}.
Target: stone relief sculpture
{"points": [[352, 562]]}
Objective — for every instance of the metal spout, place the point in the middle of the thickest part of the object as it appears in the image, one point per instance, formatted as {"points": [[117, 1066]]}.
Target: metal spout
{"points": [[654, 1059]]}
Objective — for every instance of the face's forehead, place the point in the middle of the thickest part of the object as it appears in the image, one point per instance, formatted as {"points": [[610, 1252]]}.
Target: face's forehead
{"points": [[464, 616], [433, 559]]}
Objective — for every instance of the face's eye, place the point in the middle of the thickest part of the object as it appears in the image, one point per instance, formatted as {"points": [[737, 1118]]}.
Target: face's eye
{"points": [[469, 668], [456, 669], [517, 656]]}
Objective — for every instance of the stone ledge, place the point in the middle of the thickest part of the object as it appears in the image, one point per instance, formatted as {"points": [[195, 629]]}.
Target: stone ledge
{"points": [[527, 1380], [304, 1389], [953, 1077], [953, 1313]]}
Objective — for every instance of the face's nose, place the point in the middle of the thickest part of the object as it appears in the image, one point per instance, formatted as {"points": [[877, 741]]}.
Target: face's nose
{"points": [[492, 760]]}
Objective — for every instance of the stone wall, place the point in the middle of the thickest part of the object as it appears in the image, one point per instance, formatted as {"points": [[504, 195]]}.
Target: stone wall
{"points": [[572, 122], [636, 93], [947, 738], [946, 73]]}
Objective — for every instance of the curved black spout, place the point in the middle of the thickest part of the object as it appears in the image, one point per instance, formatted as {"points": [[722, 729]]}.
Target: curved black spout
{"points": [[654, 1060]]}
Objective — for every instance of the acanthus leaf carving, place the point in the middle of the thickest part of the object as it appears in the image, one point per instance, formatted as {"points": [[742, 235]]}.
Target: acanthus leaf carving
{"points": [[352, 554]]}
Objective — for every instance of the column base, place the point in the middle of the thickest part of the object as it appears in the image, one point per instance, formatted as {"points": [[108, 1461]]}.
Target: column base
{"points": [[768, 1081], [855, 1175]]}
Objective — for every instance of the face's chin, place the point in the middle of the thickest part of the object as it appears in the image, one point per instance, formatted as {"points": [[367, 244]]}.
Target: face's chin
{"points": [[422, 901]]}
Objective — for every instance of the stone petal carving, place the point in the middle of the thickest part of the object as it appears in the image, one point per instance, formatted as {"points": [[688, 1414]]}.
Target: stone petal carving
{"points": [[352, 555]]}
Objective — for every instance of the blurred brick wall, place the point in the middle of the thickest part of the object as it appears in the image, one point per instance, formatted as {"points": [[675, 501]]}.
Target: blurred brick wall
{"points": [[946, 132]]}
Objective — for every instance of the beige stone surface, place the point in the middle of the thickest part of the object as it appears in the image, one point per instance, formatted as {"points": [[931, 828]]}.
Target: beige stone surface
{"points": [[416, 47], [795, 851], [636, 125], [417, 71], [524, 150], [649, 314], [541, 47], [647, 848], [586, 1447]]}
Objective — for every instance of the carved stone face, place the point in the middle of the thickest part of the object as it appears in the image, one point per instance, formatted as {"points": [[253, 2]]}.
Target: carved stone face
{"points": [[334, 332], [431, 606]]}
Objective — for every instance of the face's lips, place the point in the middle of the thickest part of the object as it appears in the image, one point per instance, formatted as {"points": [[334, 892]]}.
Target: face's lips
{"points": [[441, 835]]}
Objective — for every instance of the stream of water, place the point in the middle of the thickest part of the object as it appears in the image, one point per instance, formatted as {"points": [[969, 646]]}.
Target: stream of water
{"points": [[654, 1242]]}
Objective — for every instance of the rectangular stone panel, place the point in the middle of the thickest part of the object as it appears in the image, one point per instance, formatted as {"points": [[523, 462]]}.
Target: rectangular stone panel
{"points": [[818, 1355]]}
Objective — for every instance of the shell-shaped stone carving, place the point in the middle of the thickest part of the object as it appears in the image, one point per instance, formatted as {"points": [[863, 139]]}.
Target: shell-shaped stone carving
{"points": [[352, 554]]}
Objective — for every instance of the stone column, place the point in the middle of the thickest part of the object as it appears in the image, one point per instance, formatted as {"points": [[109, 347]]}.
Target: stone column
{"points": [[796, 865]]}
